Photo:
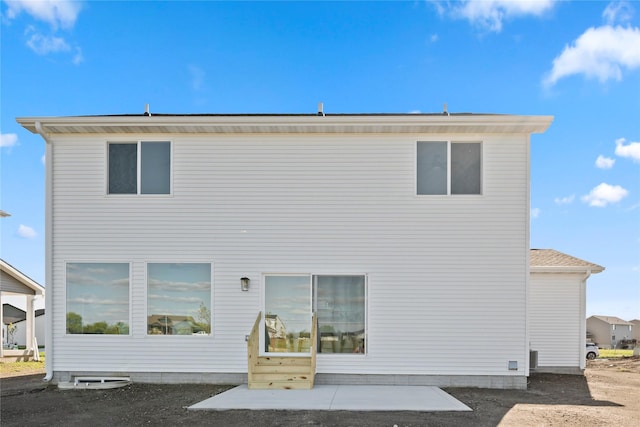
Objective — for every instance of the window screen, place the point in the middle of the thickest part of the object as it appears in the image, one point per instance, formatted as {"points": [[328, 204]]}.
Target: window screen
{"points": [[432, 168], [123, 161], [465, 168]]}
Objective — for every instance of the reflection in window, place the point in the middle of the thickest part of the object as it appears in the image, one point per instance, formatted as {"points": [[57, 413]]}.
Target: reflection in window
{"points": [[287, 314], [98, 298], [179, 299], [340, 306]]}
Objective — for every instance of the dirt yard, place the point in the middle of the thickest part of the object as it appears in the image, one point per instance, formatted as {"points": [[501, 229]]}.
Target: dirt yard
{"points": [[608, 395]]}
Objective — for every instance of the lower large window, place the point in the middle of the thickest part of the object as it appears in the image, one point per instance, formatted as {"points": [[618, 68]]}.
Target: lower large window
{"points": [[178, 298], [98, 298]]}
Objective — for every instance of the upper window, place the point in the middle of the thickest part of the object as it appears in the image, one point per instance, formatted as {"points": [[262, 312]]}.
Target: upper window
{"points": [[140, 167], [179, 299], [445, 167], [98, 298]]}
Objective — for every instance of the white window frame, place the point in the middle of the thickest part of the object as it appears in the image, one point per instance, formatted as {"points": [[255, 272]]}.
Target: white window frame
{"points": [[138, 167], [146, 299], [449, 144], [66, 295]]}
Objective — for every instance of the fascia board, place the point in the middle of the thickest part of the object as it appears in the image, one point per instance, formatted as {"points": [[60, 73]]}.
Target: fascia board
{"points": [[567, 269], [409, 123]]}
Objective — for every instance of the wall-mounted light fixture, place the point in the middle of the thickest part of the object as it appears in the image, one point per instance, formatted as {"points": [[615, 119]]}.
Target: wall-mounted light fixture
{"points": [[244, 283]]}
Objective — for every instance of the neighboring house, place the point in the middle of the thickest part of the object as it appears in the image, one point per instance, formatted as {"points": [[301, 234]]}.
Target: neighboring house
{"points": [[609, 331], [636, 330], [15, 283], [407, 234], [557, 307], [164, 324], [274, 326], [18, 318]]}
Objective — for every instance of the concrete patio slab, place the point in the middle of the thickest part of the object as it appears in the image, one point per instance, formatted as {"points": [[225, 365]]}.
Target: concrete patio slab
{"points": [[336, 398]]}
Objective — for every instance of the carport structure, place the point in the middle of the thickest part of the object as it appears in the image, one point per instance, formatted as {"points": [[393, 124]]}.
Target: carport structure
{"points": [[15, 283]]}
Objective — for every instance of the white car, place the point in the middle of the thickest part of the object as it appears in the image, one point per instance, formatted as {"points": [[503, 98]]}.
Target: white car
{"points": [[592, 351]]}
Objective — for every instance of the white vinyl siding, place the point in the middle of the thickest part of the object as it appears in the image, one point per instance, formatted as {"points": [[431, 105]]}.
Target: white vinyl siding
{"points": [[440, 271], [555, 319]]}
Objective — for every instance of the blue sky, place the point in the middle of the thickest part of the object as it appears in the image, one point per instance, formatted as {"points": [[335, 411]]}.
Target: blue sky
{"points": [[577, 61]]}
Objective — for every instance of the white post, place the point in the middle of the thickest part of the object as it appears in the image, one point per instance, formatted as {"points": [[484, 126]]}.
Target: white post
{"points": [[31, 323]]}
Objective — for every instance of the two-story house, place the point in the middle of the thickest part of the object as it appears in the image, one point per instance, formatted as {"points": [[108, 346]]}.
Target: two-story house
{"points": [[609, 331], [406, 235]]}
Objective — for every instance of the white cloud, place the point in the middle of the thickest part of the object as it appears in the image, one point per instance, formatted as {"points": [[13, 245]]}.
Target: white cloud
{"points": [[633, 208], [78, 58], [43, 45], [564, 200], [8, 139], [600, 53], [434, 38], [197, 77], [603, 162], [604, 194], [535, 213], [490, 14], [632, 150], [617, 11], [56, 13], [26, 232]]}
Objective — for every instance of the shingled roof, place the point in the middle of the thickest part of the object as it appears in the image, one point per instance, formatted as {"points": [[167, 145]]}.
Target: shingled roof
{"points": [[612, 320], [551, 260]]}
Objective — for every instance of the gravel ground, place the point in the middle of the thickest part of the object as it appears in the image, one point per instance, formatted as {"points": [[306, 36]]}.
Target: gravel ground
{"points": [[608, 394]]}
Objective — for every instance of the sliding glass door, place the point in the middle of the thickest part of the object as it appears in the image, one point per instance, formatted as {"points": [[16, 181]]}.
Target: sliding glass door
{"points": [[338, 300]]}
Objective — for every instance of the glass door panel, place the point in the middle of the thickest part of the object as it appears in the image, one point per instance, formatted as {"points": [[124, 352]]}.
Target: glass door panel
{"points": [[287, 308], [340, 308]]}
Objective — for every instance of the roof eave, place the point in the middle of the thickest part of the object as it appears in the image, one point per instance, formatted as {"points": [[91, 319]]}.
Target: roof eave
{"points": [[567, 269], [21, 277], [401, 123]]}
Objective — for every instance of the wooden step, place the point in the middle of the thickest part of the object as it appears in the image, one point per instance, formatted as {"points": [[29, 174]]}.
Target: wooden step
{"points": [[283, 361], [281, 369], [284, 376], [277, 372], [280, 385]]}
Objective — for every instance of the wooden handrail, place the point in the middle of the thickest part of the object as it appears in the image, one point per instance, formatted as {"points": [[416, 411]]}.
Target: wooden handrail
{"points": [[253, 348]]}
